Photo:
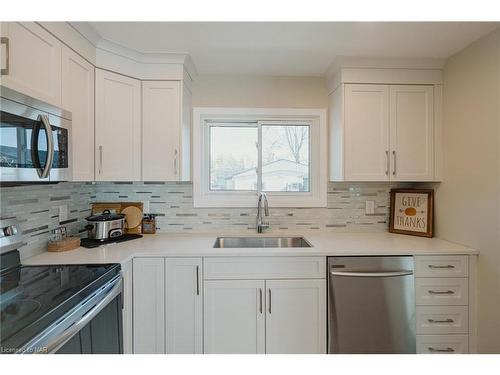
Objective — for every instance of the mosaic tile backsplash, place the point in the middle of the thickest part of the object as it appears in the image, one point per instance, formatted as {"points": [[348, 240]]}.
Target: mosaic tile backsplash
{"points": [[36, 207]]}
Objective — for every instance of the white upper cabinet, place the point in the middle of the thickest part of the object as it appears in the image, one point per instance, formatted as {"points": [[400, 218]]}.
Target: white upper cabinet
{"points": [[366, 132], [382, 133], [117, 127], [184, 308], [31, 61], [412, 132], [78, 97], [161, 140], [166, 134]]}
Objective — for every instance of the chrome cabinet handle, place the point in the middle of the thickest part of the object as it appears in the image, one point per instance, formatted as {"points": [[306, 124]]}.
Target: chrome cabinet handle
{"points": [[387, 159], [100, 159], [448, 266], [269, 301], [443, 292], [441, 321], [175, 161], [197, 280], [5, 71], [394, 155], [260, 299], [447, 350]]}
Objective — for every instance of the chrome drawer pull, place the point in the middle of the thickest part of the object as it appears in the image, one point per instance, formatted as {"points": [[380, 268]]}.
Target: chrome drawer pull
{"points": [[447, 350], [448, 266], [441, 321], [446, 292]]}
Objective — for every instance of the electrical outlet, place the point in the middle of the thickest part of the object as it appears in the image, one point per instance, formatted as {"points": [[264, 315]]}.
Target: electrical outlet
{"points": [[370, 207], [63, 212]]}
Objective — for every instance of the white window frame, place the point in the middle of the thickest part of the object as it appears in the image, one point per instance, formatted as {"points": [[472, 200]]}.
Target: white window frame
{"points": [[204, 197]]}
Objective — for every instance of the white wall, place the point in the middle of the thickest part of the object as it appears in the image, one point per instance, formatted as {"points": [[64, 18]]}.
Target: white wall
{"points": [[255, 91], [468, 200]]}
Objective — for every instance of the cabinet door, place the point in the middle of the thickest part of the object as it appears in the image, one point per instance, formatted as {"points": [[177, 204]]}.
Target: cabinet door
{"points": [[184, 314], [161, 124], [149, 305], [412, 133], [296, 316], [366, 126], [117, 127], [78, 97], [34, 61], [234, 316], [127, 307]]}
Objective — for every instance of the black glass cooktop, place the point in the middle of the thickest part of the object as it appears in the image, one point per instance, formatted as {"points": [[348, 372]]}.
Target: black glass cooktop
{"points": [[34, 297], [90, 244]]}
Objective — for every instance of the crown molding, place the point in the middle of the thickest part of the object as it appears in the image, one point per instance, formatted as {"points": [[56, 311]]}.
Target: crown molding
{"points": [[341, 62], [106, 48]]}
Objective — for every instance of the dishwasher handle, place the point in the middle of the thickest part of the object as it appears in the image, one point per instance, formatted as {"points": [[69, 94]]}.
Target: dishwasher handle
{"points": [[371, 273]]}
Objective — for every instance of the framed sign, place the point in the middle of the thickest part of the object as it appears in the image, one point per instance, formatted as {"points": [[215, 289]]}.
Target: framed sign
{"points": [[412, 212]]}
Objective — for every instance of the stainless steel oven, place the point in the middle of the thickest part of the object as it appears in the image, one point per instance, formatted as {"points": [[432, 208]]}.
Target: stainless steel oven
{"points": [[35, 140]]}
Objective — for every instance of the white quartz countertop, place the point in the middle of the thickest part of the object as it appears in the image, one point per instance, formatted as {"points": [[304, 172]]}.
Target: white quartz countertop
{"points": [[177, 245]]}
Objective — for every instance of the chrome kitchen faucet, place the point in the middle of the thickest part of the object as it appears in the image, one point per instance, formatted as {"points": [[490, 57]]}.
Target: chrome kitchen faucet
{"points": [[261, 225]]}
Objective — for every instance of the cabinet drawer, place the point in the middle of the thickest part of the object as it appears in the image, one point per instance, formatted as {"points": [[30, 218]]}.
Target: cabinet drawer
{"points": [[442, 266], [442, 344], [220, 268], [442, 319], [442, 291]]}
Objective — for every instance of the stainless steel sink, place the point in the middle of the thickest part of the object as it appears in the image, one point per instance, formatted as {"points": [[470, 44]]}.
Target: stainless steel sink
{"points": [[242, 242]]}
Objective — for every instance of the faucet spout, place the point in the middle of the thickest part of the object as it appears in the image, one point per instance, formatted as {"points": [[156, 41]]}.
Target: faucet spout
{"points": [[262, 201]]}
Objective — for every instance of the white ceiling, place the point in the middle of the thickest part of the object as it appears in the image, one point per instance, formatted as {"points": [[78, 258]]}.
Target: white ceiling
{"points": [[288, 48]]}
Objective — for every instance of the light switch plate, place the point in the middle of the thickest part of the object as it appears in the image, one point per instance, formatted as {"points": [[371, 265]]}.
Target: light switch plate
{"points": [[63, 212], [370, 207], [145, 207]]}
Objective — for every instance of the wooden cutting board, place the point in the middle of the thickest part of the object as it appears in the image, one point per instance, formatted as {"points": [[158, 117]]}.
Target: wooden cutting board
{"points": [[133, 212]]}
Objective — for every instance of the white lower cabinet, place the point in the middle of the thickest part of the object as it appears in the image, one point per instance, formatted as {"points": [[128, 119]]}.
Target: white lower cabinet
{"points": [[167, 300], [444, 293], [184, 307], [271, 315], [149, 305], [127, 312], [296, 316], [234, 317]]}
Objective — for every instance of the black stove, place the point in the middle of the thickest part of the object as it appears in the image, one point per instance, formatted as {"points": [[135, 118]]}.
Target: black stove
{"points": [[39, 305]]}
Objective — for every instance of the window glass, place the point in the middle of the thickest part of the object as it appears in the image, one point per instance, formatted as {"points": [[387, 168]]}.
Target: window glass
{"points": [[233, 157], [285, 158]]}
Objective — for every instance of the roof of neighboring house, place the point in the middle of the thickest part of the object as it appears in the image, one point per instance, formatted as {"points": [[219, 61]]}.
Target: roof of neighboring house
{"points": [[276, 165]]}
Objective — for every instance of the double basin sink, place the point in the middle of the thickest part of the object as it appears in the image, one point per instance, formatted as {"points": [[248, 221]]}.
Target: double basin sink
{"points": [[260, 242]]}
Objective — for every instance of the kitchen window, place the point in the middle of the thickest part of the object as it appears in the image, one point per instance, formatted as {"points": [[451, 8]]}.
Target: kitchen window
{"points": [[240, 152]]}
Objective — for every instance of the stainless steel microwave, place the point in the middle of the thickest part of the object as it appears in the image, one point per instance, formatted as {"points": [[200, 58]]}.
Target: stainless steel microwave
{"points": [[35, 140]]}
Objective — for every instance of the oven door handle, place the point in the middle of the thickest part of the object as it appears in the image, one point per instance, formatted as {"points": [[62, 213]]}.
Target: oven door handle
{"points": [[43, 173], [55, 340]]}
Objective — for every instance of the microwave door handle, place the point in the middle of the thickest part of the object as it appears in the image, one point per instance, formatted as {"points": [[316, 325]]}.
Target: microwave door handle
{"points": [[50, 145], [34, 150]]}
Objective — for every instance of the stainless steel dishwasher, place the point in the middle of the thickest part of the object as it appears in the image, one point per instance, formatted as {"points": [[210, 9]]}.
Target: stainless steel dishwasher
{"points": [[371, 305]]}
